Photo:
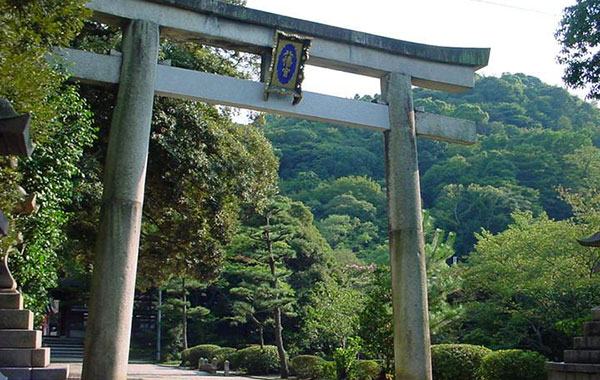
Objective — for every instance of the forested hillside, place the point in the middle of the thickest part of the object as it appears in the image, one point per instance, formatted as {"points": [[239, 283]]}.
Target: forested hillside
{"points": [[534, 140]]}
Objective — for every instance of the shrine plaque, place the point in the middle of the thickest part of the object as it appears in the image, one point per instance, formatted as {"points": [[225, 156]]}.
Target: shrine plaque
{"points": [[286, 73]]}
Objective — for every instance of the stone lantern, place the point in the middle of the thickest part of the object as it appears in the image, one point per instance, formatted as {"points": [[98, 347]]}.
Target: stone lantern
{"points": [[14, 132], [22, 356], [583, 361]]}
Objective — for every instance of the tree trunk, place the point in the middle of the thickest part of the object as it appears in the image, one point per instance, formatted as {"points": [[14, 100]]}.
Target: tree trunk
{"points": [[278, 326], [261, 332], [184, 297], [279, 342]]}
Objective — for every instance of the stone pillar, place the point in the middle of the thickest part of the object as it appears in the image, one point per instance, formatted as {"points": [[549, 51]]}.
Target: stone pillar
{"points": [[412, 356], [113, 283]]}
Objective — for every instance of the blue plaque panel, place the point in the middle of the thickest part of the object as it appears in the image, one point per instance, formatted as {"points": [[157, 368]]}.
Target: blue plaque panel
{"points": [[286, 74]]}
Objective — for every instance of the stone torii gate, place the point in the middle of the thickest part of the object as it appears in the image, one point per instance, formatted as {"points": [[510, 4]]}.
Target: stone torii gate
{"points": [[399, 64]]}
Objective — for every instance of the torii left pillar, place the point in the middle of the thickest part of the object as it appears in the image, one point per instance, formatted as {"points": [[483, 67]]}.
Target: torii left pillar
{"points": [[109, 325]]}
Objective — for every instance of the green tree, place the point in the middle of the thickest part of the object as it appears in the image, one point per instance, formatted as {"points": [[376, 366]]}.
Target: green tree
{"points": [[60, 129], [267, 245], [177, 311], [201, 169], [344, 231], [466, 210], [331, 317], [531, 285], [376, 329], [578, 36]]}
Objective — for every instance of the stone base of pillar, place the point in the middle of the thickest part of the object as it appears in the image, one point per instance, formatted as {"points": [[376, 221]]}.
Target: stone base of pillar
{"points": [[583, 362], [22, 356]]}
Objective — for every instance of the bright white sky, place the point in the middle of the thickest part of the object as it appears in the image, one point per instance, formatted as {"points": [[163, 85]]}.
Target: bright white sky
{"points": [[520, 33]]}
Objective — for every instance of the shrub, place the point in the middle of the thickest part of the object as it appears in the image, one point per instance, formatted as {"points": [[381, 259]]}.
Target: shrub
{"points": [[327, 371], [224, 353], [367, 370], [306, 366], [514, 365], [191, 356], [256, 361], [345, 359], [457, 361]]}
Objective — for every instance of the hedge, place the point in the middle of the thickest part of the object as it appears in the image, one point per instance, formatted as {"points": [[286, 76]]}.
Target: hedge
{"points": [[368, 370], [256, 361], [457, 361], [513, 365], [224, 353], [328, 371], [306, 366], [191, 356]]}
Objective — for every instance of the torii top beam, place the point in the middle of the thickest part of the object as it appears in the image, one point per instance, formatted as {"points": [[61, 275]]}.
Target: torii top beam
{"points": [[220, 24]]}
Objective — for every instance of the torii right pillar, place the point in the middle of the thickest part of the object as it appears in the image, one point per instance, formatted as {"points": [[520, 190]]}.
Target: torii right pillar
{"points": [[412, 353]]}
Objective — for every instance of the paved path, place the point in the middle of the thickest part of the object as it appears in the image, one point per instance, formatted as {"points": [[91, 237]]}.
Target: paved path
{"points": [[159, 372]]}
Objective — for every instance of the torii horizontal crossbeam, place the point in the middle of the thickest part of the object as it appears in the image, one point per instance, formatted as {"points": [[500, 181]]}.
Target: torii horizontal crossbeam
{"points": [[215, 89], [220, 24]]}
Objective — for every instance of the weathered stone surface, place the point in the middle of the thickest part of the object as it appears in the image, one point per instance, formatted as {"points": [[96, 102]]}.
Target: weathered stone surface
{"points": [[24, 357], [54, 372], [412, 355], [445, 69], [40, 358], [14, 373], [16, 319], [572, 376], [582, 356], [596, 314], [586, 343], [113, 283], [573, 367], [469, 57], [591, 329], [20, 339], [11, 301]]}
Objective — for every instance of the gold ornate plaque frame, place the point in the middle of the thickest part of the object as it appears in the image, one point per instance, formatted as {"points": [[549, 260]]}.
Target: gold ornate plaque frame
{"points": [[286, 71]]}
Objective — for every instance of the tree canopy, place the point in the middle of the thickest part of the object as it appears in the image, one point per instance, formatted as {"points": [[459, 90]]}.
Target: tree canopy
{"points": [[578, 36]]}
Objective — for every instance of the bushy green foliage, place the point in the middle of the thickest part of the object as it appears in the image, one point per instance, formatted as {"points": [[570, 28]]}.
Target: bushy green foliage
{"points": [[535, 278], [526, 129], [201, 169], [367, 369], [328, 371], [223, 354], [255, 360], [345, 359], [61, 129], [578, 35], [306, 366], [191, 356], [513, 365], [331, 315], [376, 328], [457, 361]]}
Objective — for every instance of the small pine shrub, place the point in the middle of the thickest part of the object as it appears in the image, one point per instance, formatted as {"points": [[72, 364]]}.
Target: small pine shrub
{"points": [[256, 361], [457, 361], [191, 356], [513, 365], [306, 366], [368, 370]]}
